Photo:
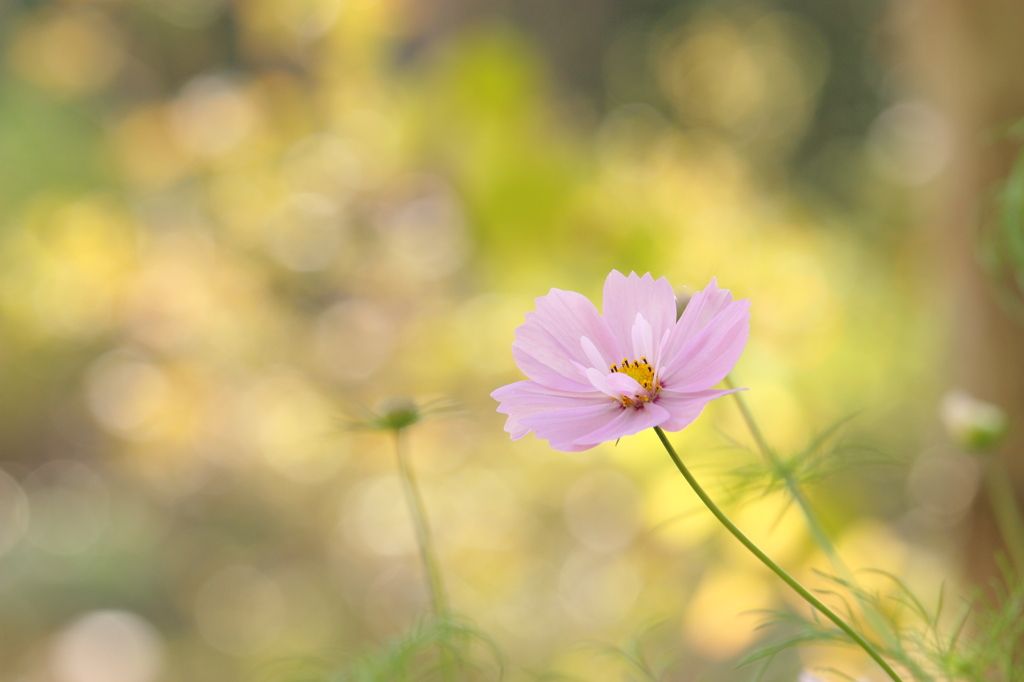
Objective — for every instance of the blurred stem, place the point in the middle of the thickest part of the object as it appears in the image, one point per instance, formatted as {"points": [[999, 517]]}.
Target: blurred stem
{"points": [[1007, 511], [419, 519], [423, 537], [767, 561]]}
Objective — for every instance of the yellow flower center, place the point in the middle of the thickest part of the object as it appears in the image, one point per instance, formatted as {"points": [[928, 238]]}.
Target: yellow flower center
{"points": [[640, 370]]}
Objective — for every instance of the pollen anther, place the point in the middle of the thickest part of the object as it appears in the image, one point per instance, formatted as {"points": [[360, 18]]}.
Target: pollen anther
{"points": [[640, 370]]}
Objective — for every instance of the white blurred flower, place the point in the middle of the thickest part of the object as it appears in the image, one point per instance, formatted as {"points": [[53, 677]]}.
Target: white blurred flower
{"points": [[972, 423], [107, 646]]}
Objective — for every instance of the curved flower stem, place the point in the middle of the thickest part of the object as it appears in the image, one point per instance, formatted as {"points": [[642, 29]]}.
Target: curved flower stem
{"points": [[767, 561], [419, 519]]}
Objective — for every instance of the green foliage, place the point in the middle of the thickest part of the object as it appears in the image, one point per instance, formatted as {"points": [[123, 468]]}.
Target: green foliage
{"points": [[642, 666], [46, 146], [979, 642], [826, 454], [396, 413], [1001, 249], [449, 649]]}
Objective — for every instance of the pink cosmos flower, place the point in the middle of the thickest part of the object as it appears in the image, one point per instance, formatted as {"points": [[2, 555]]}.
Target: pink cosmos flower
{"points": [[595, 378]]}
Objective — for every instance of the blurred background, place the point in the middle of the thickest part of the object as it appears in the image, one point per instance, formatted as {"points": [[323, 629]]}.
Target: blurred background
{"points": [[227, 225]]}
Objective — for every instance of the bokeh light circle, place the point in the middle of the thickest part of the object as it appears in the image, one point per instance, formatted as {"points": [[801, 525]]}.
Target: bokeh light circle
{"points": [[239, 610], [107, 646], [70, 507]]}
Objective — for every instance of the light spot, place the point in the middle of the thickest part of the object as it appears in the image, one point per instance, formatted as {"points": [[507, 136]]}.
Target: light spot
{"points": [[69, 52], [107, 646], [719, 621], [307, 234], [70, 507], [126, 393], [239, 610], [352, 339], [602, 510], [293, 427], [13, 512], [910, 143], [212, 116], [376, 518], [598, 590], [943, 484]]}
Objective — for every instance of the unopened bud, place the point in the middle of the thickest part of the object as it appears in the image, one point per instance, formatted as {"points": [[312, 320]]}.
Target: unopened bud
{"points": [[682, 299], [397, 413]]}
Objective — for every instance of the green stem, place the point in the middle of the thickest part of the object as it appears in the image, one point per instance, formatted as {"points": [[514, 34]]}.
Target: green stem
{"points": [[767, 561], [433, 573], [1007, 511], [419, 519]]}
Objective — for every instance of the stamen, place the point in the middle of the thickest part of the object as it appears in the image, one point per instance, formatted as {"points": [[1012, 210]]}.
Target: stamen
{"points": [[640, 370]]}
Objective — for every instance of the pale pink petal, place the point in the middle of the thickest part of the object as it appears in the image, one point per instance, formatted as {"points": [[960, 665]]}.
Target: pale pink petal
{"points": [[630, 420], [521, 390], [551, 336], [514, 426], [660, 347], [526, 398], [569, 446], [545, 374], [710, 355], [516, 413], [624, 297], [565, 426], [643, 344], [594, 355], [623, 384], [600, 382], [702, 308], [686, 407]]}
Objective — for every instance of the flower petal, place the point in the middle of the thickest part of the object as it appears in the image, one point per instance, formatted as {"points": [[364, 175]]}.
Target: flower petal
{"points": [[623, 384], [551, 337], [521, 390], [630, 420], [597, 360], [600, 382], [624, 297], [643, 345], [525, 398], [702, 308], [684, 408], [568, 446], [543, 373], [710, 355], [562, 427]]}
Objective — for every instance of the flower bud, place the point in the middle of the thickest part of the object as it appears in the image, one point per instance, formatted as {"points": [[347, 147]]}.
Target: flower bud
{"points": [[974, 424], [682, 300], [397, 412]]}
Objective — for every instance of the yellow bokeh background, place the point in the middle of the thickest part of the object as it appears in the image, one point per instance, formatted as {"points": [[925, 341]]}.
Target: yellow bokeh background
{"points": [[228, 227]]}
